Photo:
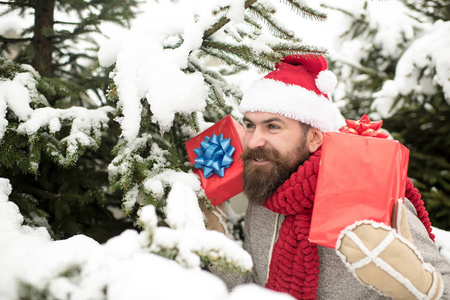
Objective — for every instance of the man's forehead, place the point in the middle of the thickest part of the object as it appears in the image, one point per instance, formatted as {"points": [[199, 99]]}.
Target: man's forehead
{"points": [[257, 116]]}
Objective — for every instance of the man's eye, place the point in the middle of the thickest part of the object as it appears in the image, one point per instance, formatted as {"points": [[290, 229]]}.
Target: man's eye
{"points": [[272, 126], [249, 126]]}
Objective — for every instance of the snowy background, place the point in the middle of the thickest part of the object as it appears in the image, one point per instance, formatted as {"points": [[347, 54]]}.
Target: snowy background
{"points": [[125, 267]]}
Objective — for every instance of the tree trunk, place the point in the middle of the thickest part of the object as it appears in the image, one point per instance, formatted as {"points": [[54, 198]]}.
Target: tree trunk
{"points": [[43, 37]]}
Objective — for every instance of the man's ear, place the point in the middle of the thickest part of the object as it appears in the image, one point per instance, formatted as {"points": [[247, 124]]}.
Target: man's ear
{"points": [[315, 139]]}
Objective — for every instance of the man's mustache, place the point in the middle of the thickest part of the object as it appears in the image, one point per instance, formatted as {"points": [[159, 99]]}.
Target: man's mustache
{"points": [[261, 154]]}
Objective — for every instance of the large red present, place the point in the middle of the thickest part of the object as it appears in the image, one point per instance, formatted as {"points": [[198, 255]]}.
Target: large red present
{"points": [[215, 154], [361, 177]]}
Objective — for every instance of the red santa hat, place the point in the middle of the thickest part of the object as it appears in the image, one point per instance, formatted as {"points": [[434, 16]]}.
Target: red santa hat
{"points": [[298, 89]]}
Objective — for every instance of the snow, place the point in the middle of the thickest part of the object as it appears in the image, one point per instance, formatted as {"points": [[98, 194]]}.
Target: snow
{"points": [[393, 27], [417, 58], [183, 214], [171, 34], [15, 96], [124, 267], [170, 177], [389, 22], [130, 198], [392, 24], [85, 129], [136, 76], [442, 241]]}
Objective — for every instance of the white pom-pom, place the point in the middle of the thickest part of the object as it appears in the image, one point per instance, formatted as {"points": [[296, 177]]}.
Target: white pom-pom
{"points": [[326, 81]]}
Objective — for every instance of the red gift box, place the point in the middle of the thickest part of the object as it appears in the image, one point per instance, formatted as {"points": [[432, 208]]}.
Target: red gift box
{"points": [[360, 178], [225, 133]]}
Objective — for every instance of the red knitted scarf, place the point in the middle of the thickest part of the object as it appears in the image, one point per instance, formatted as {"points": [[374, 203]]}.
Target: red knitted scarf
{"points": [[294, 267]]}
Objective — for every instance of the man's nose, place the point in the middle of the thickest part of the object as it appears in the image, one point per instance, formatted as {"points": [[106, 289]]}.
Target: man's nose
{"points": [[256, 139]]}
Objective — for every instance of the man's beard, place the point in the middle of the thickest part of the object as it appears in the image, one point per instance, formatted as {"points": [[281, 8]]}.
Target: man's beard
{"points": [[261, 181]]}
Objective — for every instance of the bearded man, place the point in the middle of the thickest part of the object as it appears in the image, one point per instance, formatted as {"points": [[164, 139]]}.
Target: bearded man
{"points": [[286, 114]]}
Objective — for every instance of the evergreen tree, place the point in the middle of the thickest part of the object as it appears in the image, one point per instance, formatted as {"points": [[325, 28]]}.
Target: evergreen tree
{"points": [[60, 181], [419, 115], [376, 55]]}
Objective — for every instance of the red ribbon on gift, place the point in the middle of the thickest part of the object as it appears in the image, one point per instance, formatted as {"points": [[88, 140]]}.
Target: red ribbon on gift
{"points": [[364, 127]]}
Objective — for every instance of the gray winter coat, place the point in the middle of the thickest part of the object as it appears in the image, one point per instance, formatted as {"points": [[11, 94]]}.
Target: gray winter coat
{"points": [[335, 281]]}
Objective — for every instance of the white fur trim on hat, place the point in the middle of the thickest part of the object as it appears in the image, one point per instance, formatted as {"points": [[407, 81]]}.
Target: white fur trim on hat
{"points": [[291, 101], [326, 81]]}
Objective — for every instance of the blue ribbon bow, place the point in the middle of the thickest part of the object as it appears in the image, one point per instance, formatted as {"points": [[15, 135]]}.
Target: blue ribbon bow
{"points": [[214, 155]]}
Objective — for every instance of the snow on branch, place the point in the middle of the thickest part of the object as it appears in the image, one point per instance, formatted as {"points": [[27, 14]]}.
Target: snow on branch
{"points": [[186, 240], [20, 94], [80, 268], [423, 69], [153, 60]]}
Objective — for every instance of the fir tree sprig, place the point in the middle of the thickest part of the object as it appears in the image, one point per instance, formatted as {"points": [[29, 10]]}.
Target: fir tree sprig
{"points": [[306, 11], [265, 13], [222, 22]]}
